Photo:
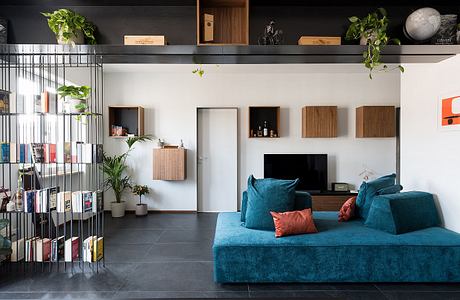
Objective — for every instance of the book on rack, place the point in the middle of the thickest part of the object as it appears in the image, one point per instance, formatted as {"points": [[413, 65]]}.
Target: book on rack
{"points": [[87, 199], [24, 153], [50, 153], [77, 203], [98, 249], [43, 249], [29, 201], [37, 103], [98, 153], [41, 203], [57, 249], [45, 102], [98, 201], [17, 248], [4, 152], [88, 248], [64, 202], [30, 249], [38, 152], [71, 249], [52, 197], [13, 153], [4, 101], [86, 154]]}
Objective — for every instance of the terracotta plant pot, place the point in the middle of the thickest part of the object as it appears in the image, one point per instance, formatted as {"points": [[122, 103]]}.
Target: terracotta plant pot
{"points": [[118, 209], [141, 210]]}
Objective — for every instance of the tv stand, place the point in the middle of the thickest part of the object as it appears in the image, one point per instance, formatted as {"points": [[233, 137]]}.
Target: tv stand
{"points": [[329, 200]]}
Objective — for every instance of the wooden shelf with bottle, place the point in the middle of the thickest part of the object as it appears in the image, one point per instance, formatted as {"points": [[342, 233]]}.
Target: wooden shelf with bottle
{"points": [[264, 122]]}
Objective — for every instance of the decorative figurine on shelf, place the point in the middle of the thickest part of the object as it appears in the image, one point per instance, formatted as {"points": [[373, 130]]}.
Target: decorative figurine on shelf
{"points": [[140, 190], [181, 144], [271, 36]]}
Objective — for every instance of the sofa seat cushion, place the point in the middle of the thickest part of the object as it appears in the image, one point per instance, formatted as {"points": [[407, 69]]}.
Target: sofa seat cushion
{"points": [[403, 212], [266, 195], [339, 252]]}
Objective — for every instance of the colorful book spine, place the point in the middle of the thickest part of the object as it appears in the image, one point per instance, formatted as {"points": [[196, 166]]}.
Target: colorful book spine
{"points": [[4, 152], [52, 153]]}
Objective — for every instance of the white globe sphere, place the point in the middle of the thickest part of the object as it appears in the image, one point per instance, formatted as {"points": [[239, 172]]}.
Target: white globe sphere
{"points": [[423, 24]]}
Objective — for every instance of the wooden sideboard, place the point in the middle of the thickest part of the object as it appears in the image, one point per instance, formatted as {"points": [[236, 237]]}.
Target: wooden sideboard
{"points": [[330, 201]]}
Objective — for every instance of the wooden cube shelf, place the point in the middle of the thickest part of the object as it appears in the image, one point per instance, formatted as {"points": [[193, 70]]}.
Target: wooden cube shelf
{"points": [[319, 121], [227, 22], [169, 164], [129, 117], [375, 121], [258, 115]]}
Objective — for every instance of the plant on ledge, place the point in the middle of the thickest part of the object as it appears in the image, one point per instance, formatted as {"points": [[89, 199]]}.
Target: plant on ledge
{"points": [[77, 99], [372, 31], [116, 175], [70, 27]]}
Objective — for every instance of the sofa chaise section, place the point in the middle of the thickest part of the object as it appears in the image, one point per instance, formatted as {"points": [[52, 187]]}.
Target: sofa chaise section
{"points": [[340, 252]]}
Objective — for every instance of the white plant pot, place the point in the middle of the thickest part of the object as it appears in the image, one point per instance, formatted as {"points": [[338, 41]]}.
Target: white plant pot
{"points": [[71, 103], [363, 40], [77, 39], [118, 209], [141, 210]]}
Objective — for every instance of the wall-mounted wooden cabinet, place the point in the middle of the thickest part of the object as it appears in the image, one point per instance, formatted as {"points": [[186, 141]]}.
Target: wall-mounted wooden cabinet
{"points": [[375, 121], [170, 164], [264, 121], [319, 121], [222, 22], [130, 118]]}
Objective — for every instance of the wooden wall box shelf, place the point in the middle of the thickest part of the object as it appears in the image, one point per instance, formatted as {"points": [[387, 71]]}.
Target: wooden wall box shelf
{"points": [[330, 201], [319, 121], [169, 164], [230, 22], [375, 121], [130, 117], [259, 114], [320, 40]]}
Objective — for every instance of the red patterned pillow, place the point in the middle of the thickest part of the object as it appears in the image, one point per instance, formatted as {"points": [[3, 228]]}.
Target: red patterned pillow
{"points": [[293, 222], [347, 211]]}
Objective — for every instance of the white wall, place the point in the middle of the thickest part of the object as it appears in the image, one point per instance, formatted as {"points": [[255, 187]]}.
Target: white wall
{"points": [[171, 93], [430, 157]]}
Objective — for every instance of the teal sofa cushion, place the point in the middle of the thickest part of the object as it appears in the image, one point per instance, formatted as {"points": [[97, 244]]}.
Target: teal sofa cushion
{"points": [[339, 252], [265, 195], [370, 189], [302, 201], [403, 212], [390, 190]]}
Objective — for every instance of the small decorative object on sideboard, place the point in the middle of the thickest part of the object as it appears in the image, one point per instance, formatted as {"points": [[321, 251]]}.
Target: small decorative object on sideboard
{"points": [[3, 31], [422, 24], [320, 40], [140, 190], [271, 36], [153, 40], [447, 33], [340, 187]]}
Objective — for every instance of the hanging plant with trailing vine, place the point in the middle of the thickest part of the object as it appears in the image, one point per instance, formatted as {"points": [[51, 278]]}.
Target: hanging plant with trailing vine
{"points": [[372, 31]]}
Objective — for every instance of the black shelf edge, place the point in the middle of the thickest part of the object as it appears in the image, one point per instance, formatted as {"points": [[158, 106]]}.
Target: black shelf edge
{"points": [[251, 54]]}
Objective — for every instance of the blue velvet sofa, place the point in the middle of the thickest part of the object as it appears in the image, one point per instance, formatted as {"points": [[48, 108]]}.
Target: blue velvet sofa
{"points": [[340, 252]]}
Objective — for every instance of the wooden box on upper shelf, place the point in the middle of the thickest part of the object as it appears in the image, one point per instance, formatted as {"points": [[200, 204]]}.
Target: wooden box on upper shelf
{"points": [[129, 117], [319, 121], [260, 114], [227, 22], [375, 121]]}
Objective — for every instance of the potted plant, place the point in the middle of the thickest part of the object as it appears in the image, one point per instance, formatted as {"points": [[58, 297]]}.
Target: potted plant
{"points": [[117, 178], [70, 27], [140, 190], [372, 31], [76, 97]]}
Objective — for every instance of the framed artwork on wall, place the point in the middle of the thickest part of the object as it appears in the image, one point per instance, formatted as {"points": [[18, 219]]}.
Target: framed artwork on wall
{"points": [[449, 111]]}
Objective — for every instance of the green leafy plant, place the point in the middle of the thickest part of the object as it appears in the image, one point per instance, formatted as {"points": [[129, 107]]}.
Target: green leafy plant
{"points": [[140, 190], [115, 168], [77, 92], [372, 28], [199, 71], [67, 24]]}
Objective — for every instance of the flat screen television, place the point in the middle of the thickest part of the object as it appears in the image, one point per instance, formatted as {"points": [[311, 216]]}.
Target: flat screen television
{"points": [[311, 169]]}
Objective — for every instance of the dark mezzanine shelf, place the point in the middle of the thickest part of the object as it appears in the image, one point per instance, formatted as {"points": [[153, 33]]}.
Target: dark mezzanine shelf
{"points": [[252, 54]]}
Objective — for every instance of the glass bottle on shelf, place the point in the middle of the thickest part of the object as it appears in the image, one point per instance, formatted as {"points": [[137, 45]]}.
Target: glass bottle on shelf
{"points": [[265, 129], [259, 131]]}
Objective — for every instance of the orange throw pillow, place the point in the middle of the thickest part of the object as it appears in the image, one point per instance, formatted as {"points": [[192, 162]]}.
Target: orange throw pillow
{"points": [[347, 211], [293, 222]]}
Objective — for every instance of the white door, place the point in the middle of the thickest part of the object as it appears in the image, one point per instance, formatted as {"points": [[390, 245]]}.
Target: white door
{"points": [[217, 159]]}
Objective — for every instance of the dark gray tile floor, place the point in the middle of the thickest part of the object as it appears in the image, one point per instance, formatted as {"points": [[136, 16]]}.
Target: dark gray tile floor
{"points": [[169, 256]]}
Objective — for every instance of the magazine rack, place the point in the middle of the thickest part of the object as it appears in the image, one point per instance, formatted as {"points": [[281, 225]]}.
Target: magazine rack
{"points": [[50, 159]]}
